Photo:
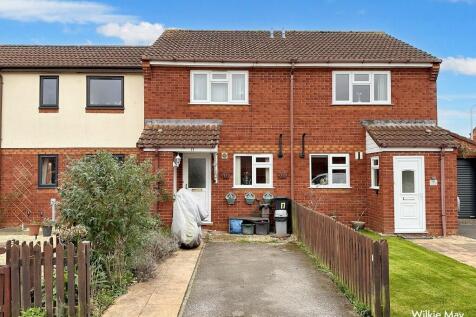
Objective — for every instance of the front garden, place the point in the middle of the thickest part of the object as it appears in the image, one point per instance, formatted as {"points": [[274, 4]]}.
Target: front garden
{"points": [[421, 280], [107, 202]]}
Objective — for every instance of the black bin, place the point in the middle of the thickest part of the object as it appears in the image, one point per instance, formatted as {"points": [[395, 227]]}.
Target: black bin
{"points": [[284, 203]]}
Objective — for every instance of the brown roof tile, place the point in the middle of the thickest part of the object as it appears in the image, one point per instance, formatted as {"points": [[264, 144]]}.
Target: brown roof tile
{"points": [[408, 134], [34, 56], [180, 134], [300, 46]]}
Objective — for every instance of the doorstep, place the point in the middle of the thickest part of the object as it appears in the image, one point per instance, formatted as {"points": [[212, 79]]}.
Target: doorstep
{"points": [[163, 295]]}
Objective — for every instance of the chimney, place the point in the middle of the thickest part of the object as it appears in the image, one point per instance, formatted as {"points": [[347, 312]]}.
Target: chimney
{"points": [[474, 134], [271, 34], [283, 34]]}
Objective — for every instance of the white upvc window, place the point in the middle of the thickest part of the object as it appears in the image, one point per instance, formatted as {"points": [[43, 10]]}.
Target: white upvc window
{"points": [[374, 173], [218, 87], [253, 170], [361, 87], [329, 170]]}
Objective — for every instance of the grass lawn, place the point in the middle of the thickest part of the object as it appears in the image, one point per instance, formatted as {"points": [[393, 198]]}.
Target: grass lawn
{"points": [[421, 279]]}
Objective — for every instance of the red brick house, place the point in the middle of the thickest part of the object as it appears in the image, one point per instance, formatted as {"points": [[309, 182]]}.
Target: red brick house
{"points": [[346, 120]]}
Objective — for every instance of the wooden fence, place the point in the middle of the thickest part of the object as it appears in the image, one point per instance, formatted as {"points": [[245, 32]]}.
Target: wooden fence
{"points": [[356, 260], [54, 277]]}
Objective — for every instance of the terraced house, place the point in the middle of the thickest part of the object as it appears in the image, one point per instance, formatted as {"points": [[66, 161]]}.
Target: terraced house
{"points": [[59, 103], [344, 120]]}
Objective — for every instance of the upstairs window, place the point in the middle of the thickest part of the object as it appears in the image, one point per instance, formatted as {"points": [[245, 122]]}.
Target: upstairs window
{"points": [[49, 91], [105, 91], [47, 171], [375, 173], [329, 170], [361, 87], [219, 87], [253, 170]]}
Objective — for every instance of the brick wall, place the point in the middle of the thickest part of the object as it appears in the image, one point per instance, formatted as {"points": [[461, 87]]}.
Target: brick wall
{"points": [[255, 128], [19, 181]]}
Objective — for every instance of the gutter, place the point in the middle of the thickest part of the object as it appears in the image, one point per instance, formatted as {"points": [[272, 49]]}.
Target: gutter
{"points": [[1, 119], [291, 126], [442, 190]]}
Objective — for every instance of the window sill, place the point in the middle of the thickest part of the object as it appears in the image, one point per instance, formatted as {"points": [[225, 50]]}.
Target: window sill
{"points": [[253, 187], [43, 187], [330, 187], [223, 104], [362, 104], [48, 109], [375, 188], [105, 109]]}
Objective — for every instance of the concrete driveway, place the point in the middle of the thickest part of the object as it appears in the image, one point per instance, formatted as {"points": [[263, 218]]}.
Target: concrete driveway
{"points": [[261, 279]]}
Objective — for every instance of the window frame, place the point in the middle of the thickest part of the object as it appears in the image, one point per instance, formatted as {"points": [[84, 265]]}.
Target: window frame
{"points": [[40, 157], [254, 166], [371, 82], [372, 171], [88, 91], [228, 80], [49, 106], [330, 167]]}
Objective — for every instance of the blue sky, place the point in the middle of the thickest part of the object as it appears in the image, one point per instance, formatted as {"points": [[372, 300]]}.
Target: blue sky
{"points": [[445, 28]]}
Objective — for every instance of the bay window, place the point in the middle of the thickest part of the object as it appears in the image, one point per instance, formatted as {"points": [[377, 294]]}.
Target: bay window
{"points": [[361, 87], [218, 87], [329, 170], [253, 170]]}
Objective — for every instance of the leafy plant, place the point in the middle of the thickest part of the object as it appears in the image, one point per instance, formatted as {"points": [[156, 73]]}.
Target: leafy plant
{"points": [[108, 202], [111, 199], [34, 312]]}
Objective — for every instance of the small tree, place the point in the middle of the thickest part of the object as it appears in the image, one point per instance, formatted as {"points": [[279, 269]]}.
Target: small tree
{"points": [[112, 199]]}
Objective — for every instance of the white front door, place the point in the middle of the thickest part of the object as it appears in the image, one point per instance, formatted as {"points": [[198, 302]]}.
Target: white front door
{"points": [[409, 191], [197, 179]]}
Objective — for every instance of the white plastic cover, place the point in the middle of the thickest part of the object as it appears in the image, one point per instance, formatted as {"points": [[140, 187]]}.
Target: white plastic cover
{"points": [[187, 219]]}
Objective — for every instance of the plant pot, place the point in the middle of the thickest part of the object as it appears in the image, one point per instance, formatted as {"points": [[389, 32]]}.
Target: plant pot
{"points": [[267, 198], [230, 198], [357, 225], [46, 230], [33, 229], [250, 198]]}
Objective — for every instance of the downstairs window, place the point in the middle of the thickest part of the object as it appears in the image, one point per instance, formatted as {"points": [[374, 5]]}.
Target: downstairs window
{"points": [[47, 171], [329, 171]]}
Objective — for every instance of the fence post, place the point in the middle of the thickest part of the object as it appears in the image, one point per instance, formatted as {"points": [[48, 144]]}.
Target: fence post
{"points": [[82, 283], [7, 291], [377, 279], [15, 279], [385, 278]]}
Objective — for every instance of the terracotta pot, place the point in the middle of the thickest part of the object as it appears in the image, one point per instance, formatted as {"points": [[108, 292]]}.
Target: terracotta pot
{"points": [[33, 229]]}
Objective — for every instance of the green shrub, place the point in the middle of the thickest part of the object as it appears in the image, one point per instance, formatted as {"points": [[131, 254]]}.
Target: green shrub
{"points": [[156, 246], [34, 312], [111, 199]]}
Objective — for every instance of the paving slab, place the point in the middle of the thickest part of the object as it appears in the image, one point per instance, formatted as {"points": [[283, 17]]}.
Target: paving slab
{"points": [[460, 248], [467, 229], [161, 296], [261, 279]]}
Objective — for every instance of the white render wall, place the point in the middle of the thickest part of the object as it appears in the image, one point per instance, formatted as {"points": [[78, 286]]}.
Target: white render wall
{"points": [[23, 126]]}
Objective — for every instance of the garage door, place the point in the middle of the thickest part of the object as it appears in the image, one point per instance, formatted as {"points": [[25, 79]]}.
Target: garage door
{"points": [[467, 187]]}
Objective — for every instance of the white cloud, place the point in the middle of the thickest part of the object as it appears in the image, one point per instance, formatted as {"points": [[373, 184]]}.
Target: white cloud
{"points": [[131, 33], [460, 65], [56, 11], [110, 23]]}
